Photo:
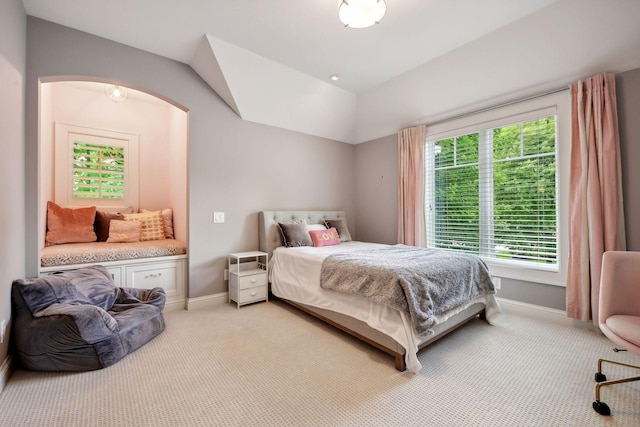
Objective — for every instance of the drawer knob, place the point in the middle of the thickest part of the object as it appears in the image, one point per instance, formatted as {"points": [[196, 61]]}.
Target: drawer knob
{"points": [[152, 275], [253, 294], [254, 280]]}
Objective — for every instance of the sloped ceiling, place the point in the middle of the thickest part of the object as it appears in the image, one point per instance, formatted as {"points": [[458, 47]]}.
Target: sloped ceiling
{"points": [[264, 91], [426, 60]]}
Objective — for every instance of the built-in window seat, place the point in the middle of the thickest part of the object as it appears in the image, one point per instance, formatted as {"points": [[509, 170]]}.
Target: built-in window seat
{"points": [[101, 252], [144, 265], [138, 249]]}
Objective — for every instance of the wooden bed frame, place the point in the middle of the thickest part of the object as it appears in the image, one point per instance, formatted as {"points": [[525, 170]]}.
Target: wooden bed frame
{"points": [[270, 239]]}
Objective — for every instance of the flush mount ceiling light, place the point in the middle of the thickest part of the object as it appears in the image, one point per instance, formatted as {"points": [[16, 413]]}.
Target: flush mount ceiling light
{"points": [[334, 77], [116, 93], [361, 13]]}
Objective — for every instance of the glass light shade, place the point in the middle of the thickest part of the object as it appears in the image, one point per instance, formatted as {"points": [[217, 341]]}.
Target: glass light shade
{"points": [[116, 93], [361, 13]]}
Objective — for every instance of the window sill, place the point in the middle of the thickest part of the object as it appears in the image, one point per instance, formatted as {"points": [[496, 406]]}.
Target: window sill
{"points": [[546, 275]]}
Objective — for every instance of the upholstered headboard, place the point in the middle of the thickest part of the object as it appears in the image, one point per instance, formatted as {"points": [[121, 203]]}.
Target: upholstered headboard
{"points": [[268, 221]]}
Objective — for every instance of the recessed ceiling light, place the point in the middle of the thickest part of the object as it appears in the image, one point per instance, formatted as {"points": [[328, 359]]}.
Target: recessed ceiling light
{"points": [[334, 77]]}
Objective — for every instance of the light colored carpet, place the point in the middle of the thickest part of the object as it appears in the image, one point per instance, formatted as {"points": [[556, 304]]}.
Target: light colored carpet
{"points": [[269, 364]]}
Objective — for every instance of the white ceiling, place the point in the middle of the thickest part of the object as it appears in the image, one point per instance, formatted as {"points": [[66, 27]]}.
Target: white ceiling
{"points": [[426, 60], [303, 34]]}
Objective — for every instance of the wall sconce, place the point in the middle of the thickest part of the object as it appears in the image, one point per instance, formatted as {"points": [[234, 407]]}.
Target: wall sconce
{"points": [[116, 93]]}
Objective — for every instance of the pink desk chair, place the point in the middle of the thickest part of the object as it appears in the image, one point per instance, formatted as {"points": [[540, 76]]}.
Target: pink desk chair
{"points": [[619, 317]]}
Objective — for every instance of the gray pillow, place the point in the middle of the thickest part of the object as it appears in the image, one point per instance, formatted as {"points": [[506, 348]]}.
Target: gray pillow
{"points": [[340, 227], [295, 234]]}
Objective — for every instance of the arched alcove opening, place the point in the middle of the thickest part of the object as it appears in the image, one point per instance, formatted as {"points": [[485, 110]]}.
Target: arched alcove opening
{"points": [[161, 129]]}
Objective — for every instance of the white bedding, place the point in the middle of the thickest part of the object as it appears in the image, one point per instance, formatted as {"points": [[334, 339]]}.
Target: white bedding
{"points": [[295, 275]]}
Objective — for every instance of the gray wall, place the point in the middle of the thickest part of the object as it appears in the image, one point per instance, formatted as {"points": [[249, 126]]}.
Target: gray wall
{"points": [[13, 26], [236, 166], [377, 196], [628, 91], [376, 182]]}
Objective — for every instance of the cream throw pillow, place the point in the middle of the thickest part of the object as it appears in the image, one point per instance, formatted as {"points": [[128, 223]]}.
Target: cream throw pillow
{"points": [[152, 225]]}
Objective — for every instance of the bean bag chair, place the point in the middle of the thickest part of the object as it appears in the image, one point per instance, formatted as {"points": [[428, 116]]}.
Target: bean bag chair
{"points": [[80, 320]]}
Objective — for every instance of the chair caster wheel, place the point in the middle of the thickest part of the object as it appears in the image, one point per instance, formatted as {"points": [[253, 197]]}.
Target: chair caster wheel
{"points": [[601, 408], [600, 377]]}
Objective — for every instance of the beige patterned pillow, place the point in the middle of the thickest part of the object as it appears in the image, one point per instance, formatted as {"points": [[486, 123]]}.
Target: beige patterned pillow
{"points": [[124, 231], [152, 225], [167, 218]]}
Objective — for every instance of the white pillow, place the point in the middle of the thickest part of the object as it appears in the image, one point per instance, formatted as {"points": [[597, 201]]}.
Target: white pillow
{"points": [[316, 227]]}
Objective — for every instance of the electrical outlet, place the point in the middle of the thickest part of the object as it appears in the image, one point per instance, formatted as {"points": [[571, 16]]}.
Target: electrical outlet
{"points": [[226, 274], [497, 281], [3, 328]]}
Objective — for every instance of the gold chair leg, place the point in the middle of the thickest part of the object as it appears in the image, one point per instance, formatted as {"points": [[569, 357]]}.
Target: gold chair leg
{"points": [[613, 362], [601, 407]]}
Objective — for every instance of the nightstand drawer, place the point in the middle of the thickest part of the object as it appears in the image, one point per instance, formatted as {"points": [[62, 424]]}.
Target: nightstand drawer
{"points": [[249, 281], [252, 294]]}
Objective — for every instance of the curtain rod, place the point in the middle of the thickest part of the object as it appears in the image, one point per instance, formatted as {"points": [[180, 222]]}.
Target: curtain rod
{"points": [[495, 107]]}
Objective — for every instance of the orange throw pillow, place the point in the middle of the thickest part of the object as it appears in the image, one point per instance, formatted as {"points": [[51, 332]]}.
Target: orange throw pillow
{"points": [[66, 225]]}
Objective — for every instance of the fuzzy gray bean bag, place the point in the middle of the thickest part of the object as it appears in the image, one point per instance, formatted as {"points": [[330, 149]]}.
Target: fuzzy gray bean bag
{"points": [[80, 320]]}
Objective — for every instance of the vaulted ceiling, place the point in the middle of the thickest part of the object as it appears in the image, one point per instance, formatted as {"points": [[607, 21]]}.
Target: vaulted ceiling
{"points": [[426, 59]]}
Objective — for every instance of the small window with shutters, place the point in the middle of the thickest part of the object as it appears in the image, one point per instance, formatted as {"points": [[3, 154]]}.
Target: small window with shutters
{"points": [[95, 167], [98, 171]]}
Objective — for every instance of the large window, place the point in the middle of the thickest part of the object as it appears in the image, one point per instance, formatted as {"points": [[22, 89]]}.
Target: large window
{"points": [[492, 189]]}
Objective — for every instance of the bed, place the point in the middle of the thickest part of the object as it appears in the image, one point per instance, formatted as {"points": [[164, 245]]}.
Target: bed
{"points": [[295, 274]]}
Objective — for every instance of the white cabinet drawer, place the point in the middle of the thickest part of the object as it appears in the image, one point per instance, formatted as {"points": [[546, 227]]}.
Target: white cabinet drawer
{"points": [[116, 273], [248, 288], [252, 294], [167, 275], [249, 281]]}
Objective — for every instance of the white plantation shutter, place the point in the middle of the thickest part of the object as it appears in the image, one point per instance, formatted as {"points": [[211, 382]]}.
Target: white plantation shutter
{"points": [[491, 190], [98, 171], [95, 167]]}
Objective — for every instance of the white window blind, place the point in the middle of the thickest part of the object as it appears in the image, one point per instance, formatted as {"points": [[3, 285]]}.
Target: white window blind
{"points": [[492, 190], [98, 171]]}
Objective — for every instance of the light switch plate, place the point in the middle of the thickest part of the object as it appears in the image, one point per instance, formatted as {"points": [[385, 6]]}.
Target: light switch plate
{"points": [[218, 217]]}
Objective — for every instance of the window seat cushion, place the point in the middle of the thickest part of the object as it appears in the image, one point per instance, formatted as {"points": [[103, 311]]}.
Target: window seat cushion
{"points": [[96, 252]]}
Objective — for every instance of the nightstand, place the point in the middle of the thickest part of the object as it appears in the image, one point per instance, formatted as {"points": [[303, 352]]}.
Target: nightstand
{"points": [[248, 277]]}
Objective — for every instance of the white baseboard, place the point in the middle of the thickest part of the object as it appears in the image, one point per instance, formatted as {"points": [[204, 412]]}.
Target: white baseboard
{"points": [[541, 313], [207, 301], [5, 371], [174, 305]]}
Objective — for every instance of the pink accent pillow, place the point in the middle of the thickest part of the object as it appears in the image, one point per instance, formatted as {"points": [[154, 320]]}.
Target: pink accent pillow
{"points": [[325, 237], [124, 231]]}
